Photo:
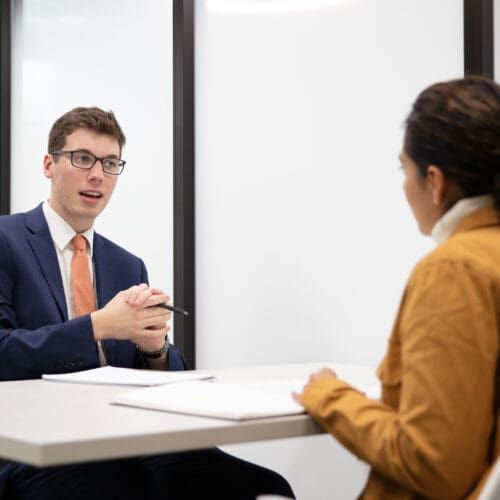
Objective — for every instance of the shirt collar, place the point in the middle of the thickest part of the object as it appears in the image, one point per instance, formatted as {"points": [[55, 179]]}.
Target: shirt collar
{"points": [[62, 233], [444, 227]]}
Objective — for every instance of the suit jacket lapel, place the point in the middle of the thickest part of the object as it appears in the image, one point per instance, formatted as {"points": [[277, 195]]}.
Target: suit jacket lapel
{"points": [[105, 281], [45, 254], [105, 272]]}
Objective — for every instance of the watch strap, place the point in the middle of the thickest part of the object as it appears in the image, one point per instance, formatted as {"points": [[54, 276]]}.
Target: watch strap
{"points": [[155, 354]]}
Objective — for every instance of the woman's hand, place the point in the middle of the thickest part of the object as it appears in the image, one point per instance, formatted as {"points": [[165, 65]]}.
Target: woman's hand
{"points": [[323, 374]]}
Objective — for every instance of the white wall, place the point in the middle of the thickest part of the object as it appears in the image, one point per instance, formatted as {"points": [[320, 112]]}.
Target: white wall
{"points": [[301, 222], [116, 55], [304, 240]]}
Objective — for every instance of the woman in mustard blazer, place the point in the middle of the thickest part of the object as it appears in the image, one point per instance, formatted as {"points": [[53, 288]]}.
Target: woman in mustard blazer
{"points": [[434, 432]]}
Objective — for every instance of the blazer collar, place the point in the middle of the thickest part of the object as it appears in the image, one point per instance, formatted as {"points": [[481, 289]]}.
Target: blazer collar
{"points": [[43, 246], [43, 249], [484, 217]]}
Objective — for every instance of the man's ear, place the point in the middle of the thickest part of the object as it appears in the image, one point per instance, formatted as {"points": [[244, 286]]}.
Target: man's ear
{"points": [[48, 163], [438, 185]]}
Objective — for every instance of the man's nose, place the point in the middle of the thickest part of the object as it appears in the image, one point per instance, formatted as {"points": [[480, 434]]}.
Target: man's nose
{"points": [[96, 172]]}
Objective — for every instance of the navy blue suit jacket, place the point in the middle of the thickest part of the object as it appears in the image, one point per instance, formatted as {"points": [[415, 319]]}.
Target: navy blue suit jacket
{"points": [[36, 336]]}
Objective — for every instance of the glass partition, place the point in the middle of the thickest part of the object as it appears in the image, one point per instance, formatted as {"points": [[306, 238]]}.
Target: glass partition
{"points": [[115, 54]]}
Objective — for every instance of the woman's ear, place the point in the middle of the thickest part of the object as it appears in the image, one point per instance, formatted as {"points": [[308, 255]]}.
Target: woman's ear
{"points": [[438, 185]]}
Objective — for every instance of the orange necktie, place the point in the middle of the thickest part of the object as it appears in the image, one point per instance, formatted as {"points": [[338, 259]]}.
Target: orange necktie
{"points": [[82, 282]]}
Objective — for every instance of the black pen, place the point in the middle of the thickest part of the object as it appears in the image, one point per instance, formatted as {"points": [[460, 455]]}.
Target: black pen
{"points": [[173, 308]]}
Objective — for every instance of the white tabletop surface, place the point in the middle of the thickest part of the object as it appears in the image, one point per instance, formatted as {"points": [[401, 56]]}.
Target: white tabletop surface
{"points": [[44, 422]]}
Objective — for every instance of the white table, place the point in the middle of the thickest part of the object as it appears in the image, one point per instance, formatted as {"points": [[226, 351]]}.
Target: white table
{"points": [[47, 423]]}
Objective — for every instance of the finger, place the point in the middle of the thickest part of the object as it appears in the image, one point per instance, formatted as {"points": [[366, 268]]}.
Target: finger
{"points": [[313, 377], [159, 327], [160, 297], [133, 292], [154, 300], [158, 291], [323, 374], [154, 320], [138, 288], [157, 314], [297, 396], [141, 299]]}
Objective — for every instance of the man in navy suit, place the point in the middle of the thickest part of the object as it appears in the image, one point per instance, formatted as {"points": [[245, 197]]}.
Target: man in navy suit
{"points": [[40, 331]]}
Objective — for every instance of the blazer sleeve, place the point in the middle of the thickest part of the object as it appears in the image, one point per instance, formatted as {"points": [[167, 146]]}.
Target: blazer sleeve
{"points": [[28, 350], [27, 354], [434, 440], [175, 358]]}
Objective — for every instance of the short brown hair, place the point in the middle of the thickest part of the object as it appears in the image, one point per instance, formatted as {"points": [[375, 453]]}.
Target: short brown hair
{"points": [[102, 122], [455, 126]]}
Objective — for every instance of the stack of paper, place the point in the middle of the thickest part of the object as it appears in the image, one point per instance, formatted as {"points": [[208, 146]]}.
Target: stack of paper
{"points": [[129, 376], [236, 401]]}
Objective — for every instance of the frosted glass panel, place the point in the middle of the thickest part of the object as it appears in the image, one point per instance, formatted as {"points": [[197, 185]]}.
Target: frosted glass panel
{"points": [[304, 240], [115, 54]]}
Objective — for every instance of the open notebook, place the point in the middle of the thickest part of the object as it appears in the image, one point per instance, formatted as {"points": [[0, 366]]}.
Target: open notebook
{"points": [[235, 401]]}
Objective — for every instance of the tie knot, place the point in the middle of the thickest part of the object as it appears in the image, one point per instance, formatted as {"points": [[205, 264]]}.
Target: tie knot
{"points": [[79, 243]]}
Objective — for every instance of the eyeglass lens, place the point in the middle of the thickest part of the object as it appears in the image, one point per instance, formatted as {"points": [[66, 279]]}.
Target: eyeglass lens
{"points": [[81, 159]]}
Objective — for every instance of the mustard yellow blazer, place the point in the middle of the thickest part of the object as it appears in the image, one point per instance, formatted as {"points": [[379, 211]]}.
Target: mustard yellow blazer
{"points": [[434, 432]]}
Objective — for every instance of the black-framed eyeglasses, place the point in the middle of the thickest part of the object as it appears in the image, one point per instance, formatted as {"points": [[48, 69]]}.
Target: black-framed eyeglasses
{"points": [[85, 161]]}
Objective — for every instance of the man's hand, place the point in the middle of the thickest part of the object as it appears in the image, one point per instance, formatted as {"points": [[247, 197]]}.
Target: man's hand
{"points": [[323, 374], [131, 315]]}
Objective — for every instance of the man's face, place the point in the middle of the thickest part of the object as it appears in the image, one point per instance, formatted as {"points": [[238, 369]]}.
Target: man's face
{"points": [[77, 195]]}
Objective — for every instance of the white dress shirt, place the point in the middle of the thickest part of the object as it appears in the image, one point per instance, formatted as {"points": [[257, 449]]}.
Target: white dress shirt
{"points": [[62, 234]]}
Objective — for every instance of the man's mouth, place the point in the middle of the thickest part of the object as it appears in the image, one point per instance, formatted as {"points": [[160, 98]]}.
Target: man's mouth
{"points": [[91, 194]]}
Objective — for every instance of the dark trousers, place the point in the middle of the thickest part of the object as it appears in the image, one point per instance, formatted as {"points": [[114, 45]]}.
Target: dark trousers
{"points": [[200, 474]]}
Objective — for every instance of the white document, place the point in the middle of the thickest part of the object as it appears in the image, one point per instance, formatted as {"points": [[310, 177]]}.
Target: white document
{"points": [[235, 401], [129, 376]]}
